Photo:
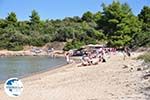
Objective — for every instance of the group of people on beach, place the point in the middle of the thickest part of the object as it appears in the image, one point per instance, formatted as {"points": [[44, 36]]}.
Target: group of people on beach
{"points": [[96, 56]]}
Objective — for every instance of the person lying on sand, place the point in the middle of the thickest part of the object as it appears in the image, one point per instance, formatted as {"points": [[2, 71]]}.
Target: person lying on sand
{"points": [[95, 61], [85, 60]]}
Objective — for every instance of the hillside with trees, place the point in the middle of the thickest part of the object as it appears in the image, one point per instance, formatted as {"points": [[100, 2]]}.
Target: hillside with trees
{"points": [[116, 26]]}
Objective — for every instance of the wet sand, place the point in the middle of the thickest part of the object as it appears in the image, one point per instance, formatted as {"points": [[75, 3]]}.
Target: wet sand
{"points": [[117, 79]]}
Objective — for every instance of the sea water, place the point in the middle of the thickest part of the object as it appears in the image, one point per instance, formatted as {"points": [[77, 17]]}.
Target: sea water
{"points": [[27, 65]]}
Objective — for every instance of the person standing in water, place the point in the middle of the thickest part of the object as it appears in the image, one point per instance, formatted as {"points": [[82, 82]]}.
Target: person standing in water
{"points": [[67, 56]]}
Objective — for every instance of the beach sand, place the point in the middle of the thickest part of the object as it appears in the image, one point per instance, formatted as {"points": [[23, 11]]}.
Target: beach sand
{"points": [[117, 79]]}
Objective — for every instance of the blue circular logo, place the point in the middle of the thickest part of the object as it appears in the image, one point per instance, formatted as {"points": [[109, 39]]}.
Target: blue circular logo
{"points": [[13, 87]]}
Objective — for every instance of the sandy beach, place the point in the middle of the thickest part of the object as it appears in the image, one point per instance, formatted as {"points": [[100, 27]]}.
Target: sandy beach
{"points": [[117, 79]]}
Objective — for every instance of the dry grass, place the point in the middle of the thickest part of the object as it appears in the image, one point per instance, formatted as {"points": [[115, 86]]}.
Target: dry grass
{"points": [[145, 57]]}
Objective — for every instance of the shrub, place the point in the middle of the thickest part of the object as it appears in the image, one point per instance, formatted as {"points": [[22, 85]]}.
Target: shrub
{"points": [[73, 45], [145, 57]]}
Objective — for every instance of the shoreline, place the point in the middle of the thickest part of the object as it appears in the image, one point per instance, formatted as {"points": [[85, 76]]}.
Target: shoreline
{"points": [[36, 73], [40, 72], [44, 71], [29, 53], [49, 70], [105, 81], [6, 53]]}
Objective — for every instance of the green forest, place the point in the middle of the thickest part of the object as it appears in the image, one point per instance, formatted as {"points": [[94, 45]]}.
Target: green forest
{"points": [[115, 25]]}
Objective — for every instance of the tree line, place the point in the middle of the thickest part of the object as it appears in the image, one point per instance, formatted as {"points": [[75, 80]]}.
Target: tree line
{"points": [[115, 26]]}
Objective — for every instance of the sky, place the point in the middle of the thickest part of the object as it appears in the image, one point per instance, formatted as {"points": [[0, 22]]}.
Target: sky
{"points": [[59, 9]]}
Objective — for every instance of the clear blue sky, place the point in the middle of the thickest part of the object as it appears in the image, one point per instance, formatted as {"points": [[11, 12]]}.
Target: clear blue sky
{"points": [[58, 9]]}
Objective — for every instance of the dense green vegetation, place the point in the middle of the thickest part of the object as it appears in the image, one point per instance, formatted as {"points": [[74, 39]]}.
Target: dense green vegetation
{"points": [[116, 25]]}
